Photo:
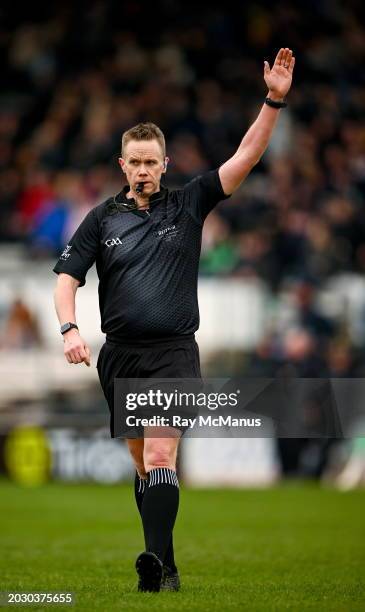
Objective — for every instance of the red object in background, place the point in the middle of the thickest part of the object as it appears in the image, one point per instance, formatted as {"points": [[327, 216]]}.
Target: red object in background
{"points": [[32, 198]]}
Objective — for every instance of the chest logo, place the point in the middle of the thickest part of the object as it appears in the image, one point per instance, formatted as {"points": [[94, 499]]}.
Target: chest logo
{"points": [[113, 242], [168, 232]]}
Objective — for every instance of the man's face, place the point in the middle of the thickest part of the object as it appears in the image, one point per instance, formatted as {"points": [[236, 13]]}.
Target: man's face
{"points": [[143, 162]]}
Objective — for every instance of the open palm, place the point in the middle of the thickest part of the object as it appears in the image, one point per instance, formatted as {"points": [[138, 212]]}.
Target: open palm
{"points": [[279, 78]]}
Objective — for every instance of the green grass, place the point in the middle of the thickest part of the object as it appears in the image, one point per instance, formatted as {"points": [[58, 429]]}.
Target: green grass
{"points": [[294, 547]]}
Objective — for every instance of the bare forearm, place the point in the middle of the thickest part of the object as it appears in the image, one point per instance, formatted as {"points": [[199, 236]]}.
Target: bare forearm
{"points": [[250, 150], [255, 141], [64, 299]]}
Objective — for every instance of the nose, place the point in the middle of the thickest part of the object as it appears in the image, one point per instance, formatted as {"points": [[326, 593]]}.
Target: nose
{"points": [[142, 171]]}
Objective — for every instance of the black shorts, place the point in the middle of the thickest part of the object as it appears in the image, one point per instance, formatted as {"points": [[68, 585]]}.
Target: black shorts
{"points": [[177, 358]]}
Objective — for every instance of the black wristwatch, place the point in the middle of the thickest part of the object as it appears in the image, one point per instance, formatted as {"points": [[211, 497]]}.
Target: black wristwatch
{"points": [[67, 326]]}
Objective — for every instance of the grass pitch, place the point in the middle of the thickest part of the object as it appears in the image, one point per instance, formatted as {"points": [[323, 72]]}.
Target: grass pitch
{"points": [[295, 547]]}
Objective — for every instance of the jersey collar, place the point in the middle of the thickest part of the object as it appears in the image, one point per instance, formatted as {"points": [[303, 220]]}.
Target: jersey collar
{"points": [[154, 200]]}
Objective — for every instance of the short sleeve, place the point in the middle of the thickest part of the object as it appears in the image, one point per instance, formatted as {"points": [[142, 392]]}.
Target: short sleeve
{"points": [[203, 193], [80, 254]]}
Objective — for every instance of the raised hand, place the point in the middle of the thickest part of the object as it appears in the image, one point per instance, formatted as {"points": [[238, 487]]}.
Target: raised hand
{"points": [[279, 78]]}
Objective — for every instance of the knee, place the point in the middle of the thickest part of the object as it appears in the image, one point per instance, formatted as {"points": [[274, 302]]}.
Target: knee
{"points": [[159, 456]]}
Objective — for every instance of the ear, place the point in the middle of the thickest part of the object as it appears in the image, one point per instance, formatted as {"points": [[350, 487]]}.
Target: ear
{"points": [[121, 162], [165, 164]]}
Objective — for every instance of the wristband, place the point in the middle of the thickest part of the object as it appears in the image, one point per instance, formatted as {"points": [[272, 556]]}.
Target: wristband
{"points": [[275, 104]]}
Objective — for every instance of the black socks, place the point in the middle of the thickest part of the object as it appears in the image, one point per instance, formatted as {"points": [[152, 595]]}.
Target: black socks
{"points": [[159, 510], [157, 500], [139, 489]]}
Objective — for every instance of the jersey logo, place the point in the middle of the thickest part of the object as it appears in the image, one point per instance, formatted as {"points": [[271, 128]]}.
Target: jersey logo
{"points": [[66, 253], [168, 232], [113, 242]]}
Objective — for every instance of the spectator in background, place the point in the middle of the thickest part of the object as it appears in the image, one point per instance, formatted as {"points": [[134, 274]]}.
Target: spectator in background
{"points": [[21, 329], [38, 190], [219, 254], [59, 215]]}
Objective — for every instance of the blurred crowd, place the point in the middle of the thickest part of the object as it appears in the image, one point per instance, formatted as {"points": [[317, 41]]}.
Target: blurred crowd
{"points": [[76, 76]]}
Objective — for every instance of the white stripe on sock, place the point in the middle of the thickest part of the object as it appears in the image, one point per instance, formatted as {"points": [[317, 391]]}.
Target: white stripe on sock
{"points": [[161, 475]]}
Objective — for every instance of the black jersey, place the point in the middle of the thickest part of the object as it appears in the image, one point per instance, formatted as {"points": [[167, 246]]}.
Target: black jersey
{"points": [[147, 261]]}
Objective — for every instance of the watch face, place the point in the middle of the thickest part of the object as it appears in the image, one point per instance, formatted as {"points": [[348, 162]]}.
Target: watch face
{"points": [[67, 326]]}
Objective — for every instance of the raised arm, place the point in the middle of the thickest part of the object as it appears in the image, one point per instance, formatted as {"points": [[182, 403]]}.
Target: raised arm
{"points": [[256, 139], [75, 349]]}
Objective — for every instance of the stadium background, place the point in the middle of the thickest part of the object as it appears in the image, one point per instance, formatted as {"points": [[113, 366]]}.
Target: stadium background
{"points": [[282, 269]]}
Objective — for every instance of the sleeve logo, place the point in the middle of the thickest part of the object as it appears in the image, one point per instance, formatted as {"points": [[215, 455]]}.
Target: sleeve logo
{"points": [[66, 253]]}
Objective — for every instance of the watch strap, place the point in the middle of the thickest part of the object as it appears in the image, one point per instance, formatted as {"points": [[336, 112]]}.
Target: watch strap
{"points": [[67, 326]]}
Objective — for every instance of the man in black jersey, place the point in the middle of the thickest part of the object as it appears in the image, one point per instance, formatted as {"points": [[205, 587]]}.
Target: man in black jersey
{"points": [[146, 244]]}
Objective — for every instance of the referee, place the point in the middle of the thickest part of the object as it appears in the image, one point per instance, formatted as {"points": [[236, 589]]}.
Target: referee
{"points": [[146, 244]]}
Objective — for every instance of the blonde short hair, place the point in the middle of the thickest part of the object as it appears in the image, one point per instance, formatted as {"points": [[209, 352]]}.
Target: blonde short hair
{"points": [[144, 131]]}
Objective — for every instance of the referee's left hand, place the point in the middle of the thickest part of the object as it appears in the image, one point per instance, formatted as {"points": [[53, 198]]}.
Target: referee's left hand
{"points": [[279, 78]]}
